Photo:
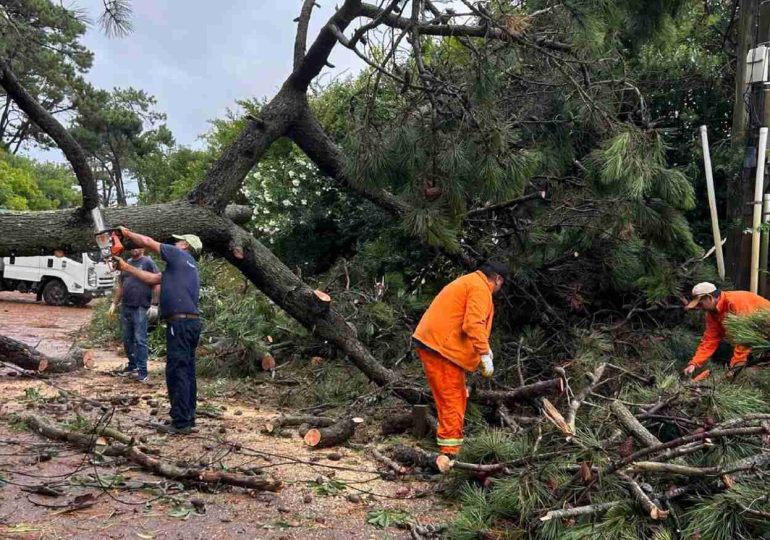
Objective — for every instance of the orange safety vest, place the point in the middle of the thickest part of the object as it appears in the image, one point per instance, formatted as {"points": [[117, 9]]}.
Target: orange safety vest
{"points": [[459, 320], [730, 302]]}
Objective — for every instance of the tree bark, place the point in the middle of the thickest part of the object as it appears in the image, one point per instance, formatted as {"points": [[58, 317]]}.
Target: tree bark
{"points": [[24, 356], [288, 421], [519, 395], [333, 435], [632, 425]]}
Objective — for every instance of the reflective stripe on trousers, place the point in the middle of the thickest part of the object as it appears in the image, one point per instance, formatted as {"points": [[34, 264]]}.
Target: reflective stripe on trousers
{"points": [[447, 384]]}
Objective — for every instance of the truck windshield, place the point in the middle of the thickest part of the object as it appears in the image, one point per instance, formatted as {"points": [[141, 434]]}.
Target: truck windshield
{"points": [[93, 256]]}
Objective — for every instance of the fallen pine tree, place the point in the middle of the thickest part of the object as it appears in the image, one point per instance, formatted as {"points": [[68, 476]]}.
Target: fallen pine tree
{"points": [[669, 460]]}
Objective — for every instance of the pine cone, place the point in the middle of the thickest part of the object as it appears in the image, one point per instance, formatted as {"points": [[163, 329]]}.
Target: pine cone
{"points": [[626, 448]]}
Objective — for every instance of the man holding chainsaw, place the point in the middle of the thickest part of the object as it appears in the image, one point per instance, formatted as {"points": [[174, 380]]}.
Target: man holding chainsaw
{"points": [[717, 305], [179, 290], [452, 338], [138, 305]]}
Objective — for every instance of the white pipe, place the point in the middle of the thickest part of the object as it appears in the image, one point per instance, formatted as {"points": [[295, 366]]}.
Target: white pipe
{"points": [[759, 185], [763, 247], [712, 203]]}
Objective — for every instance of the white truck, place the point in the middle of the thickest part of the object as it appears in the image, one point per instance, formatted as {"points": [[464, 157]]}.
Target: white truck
{"points": [[57, 280]]}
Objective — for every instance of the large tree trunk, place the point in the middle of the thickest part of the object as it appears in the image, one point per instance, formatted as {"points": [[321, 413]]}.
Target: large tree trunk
{"points": [[24, 356]]}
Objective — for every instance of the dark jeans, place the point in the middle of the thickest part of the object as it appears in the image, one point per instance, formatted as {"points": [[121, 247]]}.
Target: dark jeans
{"points": [[181, 340], [133, 327]]}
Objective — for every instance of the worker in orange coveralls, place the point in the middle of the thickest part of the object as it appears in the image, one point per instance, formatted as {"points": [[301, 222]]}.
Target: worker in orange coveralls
{"points": [[452, 338], [717, 305]]}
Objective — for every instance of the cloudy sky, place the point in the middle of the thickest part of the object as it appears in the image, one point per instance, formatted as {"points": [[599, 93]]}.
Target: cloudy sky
{"points": [[197, 58]]}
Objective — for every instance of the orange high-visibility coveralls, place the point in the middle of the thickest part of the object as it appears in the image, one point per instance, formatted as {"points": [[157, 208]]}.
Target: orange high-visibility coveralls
{"points": [[454, 333], [730, 302]]}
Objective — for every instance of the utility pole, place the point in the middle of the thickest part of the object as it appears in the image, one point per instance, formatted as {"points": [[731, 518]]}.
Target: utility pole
{"points": [[740, 196]]}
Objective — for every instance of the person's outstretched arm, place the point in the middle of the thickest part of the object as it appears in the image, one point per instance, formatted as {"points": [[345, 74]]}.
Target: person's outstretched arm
{"points": [[140, 240]]}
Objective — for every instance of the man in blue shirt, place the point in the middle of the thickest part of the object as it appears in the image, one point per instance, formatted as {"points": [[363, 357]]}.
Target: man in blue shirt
{"points": [[179, 290], [138, 303]]}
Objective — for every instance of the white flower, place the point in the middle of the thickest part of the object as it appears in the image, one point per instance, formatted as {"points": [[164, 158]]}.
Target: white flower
{"points": [[303, 201], [291, 174], [286, 202], [295, 183]]}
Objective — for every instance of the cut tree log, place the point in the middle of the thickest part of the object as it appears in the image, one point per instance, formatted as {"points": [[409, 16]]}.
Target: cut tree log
{"points": [[155, 465], [26, 357], [297, 420], [333, 435]]}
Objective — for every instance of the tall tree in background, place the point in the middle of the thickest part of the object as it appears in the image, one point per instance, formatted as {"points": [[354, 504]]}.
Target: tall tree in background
{"points": [[117, 129], [40, 41]]}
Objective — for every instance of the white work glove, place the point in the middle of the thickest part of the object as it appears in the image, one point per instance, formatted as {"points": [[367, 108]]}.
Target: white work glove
{"points": [[152, 314], [111, 311], [487, 367]]}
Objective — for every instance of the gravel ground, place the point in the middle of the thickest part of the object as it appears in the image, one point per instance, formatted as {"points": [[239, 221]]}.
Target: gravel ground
{"points": [[145, 506]]}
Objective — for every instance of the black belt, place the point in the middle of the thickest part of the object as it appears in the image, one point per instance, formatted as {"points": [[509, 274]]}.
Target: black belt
{"points": [[178, 316]]}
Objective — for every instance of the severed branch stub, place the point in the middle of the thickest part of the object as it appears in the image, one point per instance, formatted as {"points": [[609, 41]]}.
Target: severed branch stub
{"points": [[649, 506]]}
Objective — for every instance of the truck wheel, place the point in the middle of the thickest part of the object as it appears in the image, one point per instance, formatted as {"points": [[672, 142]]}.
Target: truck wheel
{"points": [[55, 293], [79, 301]]}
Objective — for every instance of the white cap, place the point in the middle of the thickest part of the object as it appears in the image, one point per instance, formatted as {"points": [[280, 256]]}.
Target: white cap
{"points": [[699, 291]]}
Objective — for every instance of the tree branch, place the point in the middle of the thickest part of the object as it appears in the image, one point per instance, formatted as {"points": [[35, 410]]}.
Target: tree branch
{"points": [[318, 54], [440, 29], [308, 134], [303, 21], [47, 123]]}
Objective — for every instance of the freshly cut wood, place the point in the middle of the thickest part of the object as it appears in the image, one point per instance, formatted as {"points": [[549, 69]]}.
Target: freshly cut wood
{"points": [[26, 357], [268, 363], [632, 426], [155, 465], [333, 435], [322, 296], [444, 463], [297, 420], [555, 417]]}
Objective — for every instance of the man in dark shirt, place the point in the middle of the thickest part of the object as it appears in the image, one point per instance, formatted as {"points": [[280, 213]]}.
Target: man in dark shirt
{"points": [[137, 301], [179, 289]]}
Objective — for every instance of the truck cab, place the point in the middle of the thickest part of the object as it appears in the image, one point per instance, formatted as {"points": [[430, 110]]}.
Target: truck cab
{"points": [[57, 280]]}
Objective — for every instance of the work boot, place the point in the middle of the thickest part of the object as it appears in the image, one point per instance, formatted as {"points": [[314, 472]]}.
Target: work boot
{"points": [[144, 379], [167, 427], [126, 372]]}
